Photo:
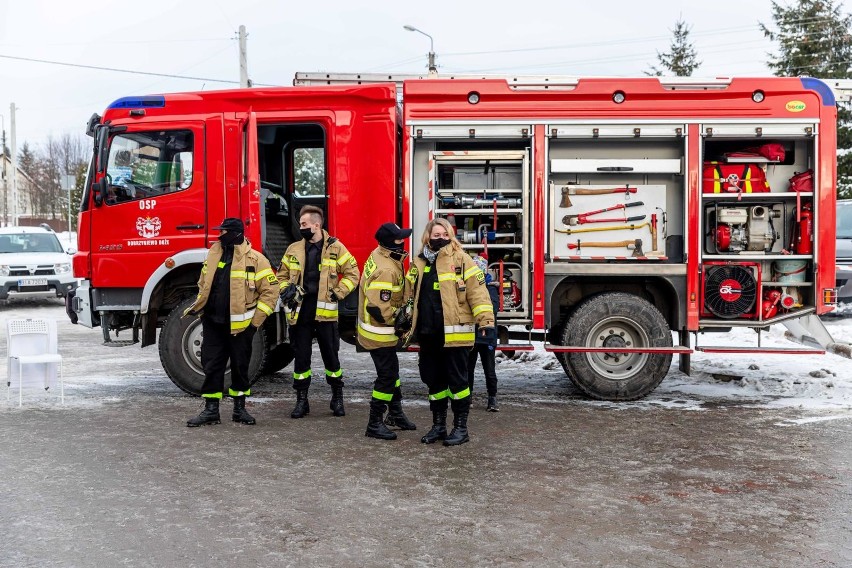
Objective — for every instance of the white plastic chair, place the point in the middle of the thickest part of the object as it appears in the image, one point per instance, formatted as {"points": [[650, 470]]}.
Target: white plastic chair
{"points": [[32, 342]]}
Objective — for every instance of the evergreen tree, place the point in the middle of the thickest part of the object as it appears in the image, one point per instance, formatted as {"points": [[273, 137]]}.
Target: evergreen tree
{"points": [[681, 59], [813, 39]]}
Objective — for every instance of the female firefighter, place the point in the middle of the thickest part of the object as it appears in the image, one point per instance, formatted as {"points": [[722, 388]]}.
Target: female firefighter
{"points": [[449, 296], [381, 299]]}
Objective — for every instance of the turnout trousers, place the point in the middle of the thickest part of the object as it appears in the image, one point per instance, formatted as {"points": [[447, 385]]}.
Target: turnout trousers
{"points": [[218, 347], [444, 370], [328, 339], [386, 387], [488, 366]]}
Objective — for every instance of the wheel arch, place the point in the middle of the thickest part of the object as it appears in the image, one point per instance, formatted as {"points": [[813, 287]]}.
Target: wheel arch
{"points": [[667, 294]]}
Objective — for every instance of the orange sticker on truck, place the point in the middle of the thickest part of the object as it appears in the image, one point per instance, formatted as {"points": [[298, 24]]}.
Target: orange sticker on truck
{"points": [[795, 106]]}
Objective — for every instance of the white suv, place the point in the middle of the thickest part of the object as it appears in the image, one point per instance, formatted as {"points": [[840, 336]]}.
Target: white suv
{"points": [[34, 263]]}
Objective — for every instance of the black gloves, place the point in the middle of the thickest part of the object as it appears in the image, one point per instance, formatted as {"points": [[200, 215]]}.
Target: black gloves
{"points": [[292, 295], [489, 334]]}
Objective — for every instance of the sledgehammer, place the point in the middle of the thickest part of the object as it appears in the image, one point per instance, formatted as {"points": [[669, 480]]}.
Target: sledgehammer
{"points": [[570, 190]]}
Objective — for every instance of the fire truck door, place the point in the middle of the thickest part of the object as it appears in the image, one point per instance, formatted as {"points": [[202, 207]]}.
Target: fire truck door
{"points": [[154, 204]]}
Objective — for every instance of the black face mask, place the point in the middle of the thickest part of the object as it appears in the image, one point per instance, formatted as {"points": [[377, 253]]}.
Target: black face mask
{"points": [[230, 239], [390, 245], [438, 244], [399, 255], [307, 234]]}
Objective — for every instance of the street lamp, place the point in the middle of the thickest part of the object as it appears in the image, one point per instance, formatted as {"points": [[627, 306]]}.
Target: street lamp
{"points": [[433, 69]]}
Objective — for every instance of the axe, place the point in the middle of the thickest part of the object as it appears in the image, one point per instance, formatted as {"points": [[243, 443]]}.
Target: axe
{"points": [[635, 245], [567, 190]]}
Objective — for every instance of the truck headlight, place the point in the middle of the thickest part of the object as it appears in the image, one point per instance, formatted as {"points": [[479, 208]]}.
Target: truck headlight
{"points": [[4, 270], [62, 268]]}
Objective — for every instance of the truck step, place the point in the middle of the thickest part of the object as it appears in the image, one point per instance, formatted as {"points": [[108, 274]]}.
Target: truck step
{"points": [[120, 343]]}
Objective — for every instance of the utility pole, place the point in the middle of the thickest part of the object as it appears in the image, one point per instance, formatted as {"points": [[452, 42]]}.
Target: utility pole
{"points": [[245, 82], [433, 68], [3, 172], [14, 150]]}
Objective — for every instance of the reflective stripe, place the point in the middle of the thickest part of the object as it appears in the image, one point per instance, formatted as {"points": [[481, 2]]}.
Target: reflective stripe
{"points": [[301, 376], [347, 284], [327, 305], [480, 309], [263, 273], [232, 392], [343, 259], [383, 396], [379, 285], [329, 263], [471, 272], [284, 284], [398, 383], [461, 394], [264, 308], [222, 264], [243, 317], [334, 374], [411, 278], [294, 265], [240, 325], [238, 274], [446, 276], [326, 313], [458, 328], [375, 329], [389, 339], [459, 337], [212, 395], [440, 395]]}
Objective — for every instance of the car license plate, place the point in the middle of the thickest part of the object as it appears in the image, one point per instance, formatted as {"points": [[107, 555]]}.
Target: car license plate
{"points": [[29, 282]]}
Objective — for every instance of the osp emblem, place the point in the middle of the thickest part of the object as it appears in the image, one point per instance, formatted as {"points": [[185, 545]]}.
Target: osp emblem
{"points": [[148, 227]]}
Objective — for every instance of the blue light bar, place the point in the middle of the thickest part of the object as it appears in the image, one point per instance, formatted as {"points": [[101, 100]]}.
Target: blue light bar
{"points": [[148, 101], [824, 90]]}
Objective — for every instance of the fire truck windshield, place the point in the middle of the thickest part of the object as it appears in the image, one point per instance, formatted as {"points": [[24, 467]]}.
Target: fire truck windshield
{"points": [[148, 164]]}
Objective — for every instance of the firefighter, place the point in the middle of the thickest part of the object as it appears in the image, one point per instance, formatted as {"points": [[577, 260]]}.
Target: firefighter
{"points": [[485, 346], [324, 273], [449, 296], [237, 290], [382, 296]]}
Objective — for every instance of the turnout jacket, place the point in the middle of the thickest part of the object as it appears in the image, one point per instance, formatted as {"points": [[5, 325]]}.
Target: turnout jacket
{"points": [[464, 298], [338, 274], [383, 289], [253, 287]]}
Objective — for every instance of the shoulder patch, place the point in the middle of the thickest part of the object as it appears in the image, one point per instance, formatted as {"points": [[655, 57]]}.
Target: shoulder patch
{"points": [[480, 277], [385, 295]]}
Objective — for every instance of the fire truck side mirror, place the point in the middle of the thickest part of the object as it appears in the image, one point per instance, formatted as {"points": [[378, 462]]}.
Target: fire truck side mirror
{"points": [[101, 191], [103, 148]]}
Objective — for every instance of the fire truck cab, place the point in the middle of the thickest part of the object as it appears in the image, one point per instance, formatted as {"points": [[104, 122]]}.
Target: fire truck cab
{"points": [[619, 216]]}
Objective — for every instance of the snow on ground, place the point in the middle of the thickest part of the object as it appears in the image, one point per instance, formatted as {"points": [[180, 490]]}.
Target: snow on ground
{"points": [[808, 382]]}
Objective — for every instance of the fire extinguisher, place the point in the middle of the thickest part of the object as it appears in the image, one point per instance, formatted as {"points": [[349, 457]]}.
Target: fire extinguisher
{"points": [[511, 292], [769, 307], [805, 231]]}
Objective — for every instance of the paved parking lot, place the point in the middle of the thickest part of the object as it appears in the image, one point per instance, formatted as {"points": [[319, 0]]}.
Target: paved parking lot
{"points": [[114, 478]]}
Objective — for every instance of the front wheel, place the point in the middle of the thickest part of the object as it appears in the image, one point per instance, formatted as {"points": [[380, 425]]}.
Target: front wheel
{"points": [[617, 320], [180, 351]]}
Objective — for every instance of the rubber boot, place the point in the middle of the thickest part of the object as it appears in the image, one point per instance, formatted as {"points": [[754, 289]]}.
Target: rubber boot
{"points": [[492, 404], [241, 415], [439, 427], [459, 433], [396, 417], [375, 427], [302, 407], [210, 414], [336, 403]]}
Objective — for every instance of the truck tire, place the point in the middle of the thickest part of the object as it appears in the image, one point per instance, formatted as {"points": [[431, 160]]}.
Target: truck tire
{"points": [[616, 319], [278, 358], [180, 351]]}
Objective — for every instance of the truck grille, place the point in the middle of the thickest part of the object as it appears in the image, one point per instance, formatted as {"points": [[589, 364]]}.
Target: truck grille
{"points": [[46, 270]]}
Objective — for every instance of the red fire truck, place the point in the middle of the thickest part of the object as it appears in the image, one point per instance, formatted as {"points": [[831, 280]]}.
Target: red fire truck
{"points": [[616, 214]]}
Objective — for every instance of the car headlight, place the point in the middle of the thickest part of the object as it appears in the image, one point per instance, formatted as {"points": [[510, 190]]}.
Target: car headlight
{"points": [[4, 270], [62, 268]]}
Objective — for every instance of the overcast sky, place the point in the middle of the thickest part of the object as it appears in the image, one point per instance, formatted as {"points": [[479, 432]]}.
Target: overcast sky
{"points": [[196, 38]]}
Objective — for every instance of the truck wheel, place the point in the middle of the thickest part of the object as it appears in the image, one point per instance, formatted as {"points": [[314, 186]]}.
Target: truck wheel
{"points": [[180, 351], [616, 319], [278, 358]]}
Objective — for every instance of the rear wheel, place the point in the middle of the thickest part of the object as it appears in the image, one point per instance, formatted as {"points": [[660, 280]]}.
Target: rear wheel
{"points": [[180, 351], [617, 320]]}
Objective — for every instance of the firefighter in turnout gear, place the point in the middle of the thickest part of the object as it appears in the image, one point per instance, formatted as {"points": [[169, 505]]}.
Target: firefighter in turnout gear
{"points": [[325, 272], [449, 297], [237, 290], [382, 294]]}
